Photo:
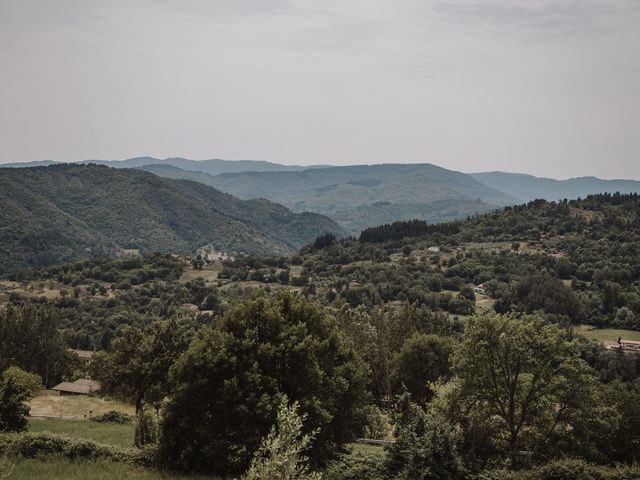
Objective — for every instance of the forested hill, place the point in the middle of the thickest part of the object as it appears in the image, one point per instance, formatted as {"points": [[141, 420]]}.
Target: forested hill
{"points": [[64, 212], [575, 261], [361, 196]]}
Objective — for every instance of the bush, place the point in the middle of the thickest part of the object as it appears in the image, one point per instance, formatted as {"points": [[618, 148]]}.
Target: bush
{"points": [[30, 382], [113, 416], [31, 445], [357, 466], [146, 429], [426, 446], [13, 407], [281, 452], [566, 469]]}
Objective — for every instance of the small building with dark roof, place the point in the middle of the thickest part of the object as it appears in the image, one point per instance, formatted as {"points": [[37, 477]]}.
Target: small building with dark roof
{"points": [[83, 386]]}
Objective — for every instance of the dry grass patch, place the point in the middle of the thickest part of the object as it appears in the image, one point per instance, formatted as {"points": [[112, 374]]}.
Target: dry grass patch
{"points": [[51, 404], [208, 273]]}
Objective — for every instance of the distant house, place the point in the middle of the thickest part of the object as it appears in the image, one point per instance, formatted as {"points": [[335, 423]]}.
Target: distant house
{"points": [[83, 386], [480, 289], [190, 306], [128, 252], [629, 345], [85, 355]]}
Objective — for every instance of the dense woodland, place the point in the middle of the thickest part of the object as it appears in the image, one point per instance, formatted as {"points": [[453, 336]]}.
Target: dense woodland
{"points": [[59, 213], [456, 341]]}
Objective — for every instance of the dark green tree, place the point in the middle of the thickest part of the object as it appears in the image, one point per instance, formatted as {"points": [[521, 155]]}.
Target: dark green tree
{"points": [[525, 375], [138, 365], [426, 446], [422, 360], [228, 385], [13, 407]]}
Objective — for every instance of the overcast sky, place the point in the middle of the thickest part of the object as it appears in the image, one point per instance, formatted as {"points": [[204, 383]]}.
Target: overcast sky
{"points": [[548, 87]]}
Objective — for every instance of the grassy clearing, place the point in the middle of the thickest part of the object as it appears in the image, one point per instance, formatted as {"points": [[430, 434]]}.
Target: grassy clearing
{"points": [[607, 335], [208, 273], [111, 433], [366, 448], [57, 468], [51, 404]]}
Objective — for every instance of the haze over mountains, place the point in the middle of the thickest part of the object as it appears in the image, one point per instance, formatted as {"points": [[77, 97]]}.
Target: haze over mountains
{"points": [[361, 196]]}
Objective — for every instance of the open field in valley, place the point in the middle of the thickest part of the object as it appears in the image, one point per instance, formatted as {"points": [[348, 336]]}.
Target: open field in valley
{"points": [[62, 469], [50, 404], [111, 433], [607, 335]]}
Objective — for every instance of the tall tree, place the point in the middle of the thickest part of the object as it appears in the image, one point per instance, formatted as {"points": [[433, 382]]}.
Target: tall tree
{"points": [[138, 365], [422, 360], [30, 339], [524, 374], [13, 407], [228, 384]]}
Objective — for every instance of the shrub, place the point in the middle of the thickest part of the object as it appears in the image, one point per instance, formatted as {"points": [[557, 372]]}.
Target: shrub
{"points": [[30, 382], [113, 416], [426, 446], [281, 452], [357, 466], [146, 429], [13, 407], [31, 445], [565, 469]]}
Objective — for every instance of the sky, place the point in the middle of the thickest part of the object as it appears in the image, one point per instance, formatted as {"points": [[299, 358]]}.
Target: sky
{"points": [[547, 87]]}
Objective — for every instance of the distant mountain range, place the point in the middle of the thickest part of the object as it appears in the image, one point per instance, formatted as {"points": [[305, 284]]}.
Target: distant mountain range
{"points": [[211, 167], [365, 195], [527, 187], [361, 196], [65, 212]]}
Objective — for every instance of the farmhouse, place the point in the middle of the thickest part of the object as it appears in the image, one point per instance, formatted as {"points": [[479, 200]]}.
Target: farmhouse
{"points": [[632, 345], [85, 355], [83, 386], [480, 289]]}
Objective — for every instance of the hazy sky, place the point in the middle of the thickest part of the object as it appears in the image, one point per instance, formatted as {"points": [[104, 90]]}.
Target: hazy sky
{"points": [[549, 87]]}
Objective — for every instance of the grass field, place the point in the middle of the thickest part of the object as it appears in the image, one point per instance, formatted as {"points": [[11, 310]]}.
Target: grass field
{"points": [[208, 273], [114, 434], [607, 335], [51, 404], [111, 433], [58, 469]]}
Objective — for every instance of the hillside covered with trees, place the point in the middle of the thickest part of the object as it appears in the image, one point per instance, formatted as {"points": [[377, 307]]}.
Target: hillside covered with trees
{"points": [[65, 212], [459, 344]]}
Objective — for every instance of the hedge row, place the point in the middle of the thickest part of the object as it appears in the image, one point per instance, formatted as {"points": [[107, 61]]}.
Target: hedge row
{"points": [[370, 466], [32, 445], [568, 469]]}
